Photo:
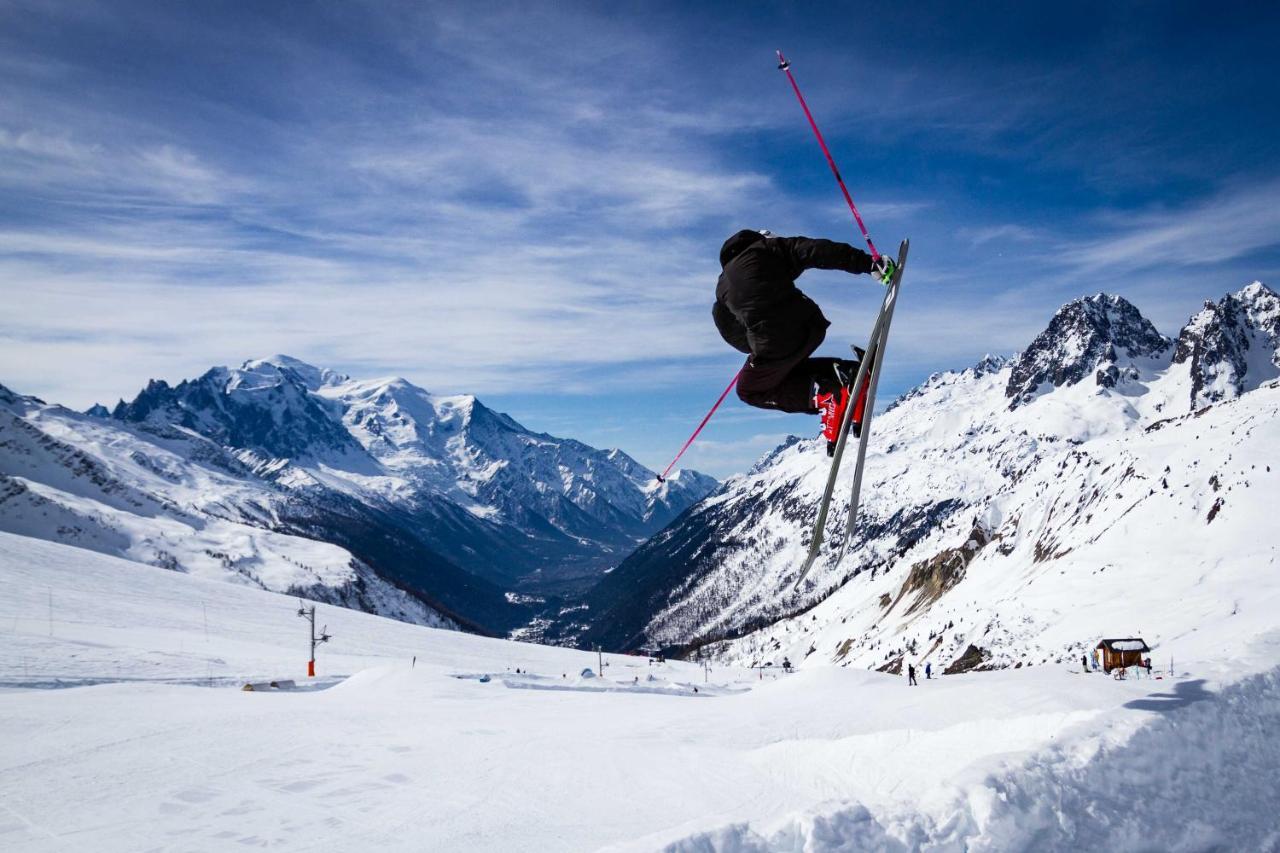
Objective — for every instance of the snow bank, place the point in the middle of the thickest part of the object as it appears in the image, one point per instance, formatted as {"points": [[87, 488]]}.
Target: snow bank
{"points": [[1202, 775]]}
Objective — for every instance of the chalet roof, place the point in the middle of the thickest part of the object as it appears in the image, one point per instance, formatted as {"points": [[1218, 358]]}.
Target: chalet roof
{"points": [[1131, 644]]}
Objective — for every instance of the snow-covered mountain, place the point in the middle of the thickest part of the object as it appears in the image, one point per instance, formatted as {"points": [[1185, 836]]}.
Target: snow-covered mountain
{"points": [[1102, 335], [1084, 475], [1230, 347], [294, 477]]}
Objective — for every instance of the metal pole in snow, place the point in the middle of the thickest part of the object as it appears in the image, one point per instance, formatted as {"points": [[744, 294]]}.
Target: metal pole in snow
{"points": [[310, 616]]}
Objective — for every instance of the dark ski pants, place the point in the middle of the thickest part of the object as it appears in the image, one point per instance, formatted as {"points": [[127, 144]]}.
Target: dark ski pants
{"points": [[787, 384]]}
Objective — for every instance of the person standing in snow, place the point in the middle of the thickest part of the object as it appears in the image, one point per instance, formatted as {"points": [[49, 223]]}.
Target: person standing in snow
{"points": [[928, 671], [760, 311], [911, 675], [1084, 662]]}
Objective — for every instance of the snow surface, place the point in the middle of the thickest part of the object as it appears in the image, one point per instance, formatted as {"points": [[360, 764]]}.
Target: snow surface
{"points": [[148, 745]]}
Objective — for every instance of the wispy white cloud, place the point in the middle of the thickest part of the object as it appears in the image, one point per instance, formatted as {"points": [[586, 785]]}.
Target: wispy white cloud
{"points": [[1006, 233], [890, 211], [723, 457], [1226, 226], [531, 232]]}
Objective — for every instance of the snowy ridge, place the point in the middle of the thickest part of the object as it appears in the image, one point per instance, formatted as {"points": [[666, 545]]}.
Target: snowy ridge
{"points": [[994, 533]]}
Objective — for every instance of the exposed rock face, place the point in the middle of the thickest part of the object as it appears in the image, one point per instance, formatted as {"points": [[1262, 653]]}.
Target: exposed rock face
{"points": [[1096, 336], [262, 407], [930, 579], [972, 660]]}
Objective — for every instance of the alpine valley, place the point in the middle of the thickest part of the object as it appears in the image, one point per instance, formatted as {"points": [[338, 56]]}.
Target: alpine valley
{"points": [[1012, 513], [373, 494]]}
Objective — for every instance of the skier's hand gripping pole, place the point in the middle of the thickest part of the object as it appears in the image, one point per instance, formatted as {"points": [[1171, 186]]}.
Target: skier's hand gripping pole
{"points": [[882, 269]]}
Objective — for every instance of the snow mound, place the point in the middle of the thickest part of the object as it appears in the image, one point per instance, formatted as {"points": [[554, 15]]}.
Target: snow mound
{"points": [[1200, 776]]}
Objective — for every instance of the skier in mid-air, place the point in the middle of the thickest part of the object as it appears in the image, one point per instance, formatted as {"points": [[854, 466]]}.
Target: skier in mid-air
{"points": [[760, 311]]}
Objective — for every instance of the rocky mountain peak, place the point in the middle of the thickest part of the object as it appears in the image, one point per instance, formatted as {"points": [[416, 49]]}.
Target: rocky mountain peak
{"points": [[1096, 336], [260, 407], [1232, 345], [308, 375], [989, 364], [7, 396], [1257, 292]]}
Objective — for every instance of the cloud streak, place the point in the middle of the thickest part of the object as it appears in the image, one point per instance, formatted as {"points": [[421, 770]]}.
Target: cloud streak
{"points": [[1224, 227]]}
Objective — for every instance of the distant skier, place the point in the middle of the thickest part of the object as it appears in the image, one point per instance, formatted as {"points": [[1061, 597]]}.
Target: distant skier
{"points": [[760, 311], [786, 665], [928, 671], [1084, 662], [911, 675]]}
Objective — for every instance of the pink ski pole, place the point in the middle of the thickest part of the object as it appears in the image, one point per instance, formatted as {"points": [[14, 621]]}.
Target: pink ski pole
{"points": [[662, 478], [784, 65]]}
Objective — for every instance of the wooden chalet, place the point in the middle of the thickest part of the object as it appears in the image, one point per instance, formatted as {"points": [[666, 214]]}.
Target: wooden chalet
{"points": [[1117, 654]]}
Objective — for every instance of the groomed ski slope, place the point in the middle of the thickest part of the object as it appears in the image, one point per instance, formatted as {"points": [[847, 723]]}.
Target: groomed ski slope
{"points": [[168, 755]]}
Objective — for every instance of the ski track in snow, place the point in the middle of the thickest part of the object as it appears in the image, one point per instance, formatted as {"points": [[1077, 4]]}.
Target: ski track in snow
{"points": [[405, 755]]}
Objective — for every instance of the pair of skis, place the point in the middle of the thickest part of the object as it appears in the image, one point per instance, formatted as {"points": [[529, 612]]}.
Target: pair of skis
{"points": [[869, 372]]}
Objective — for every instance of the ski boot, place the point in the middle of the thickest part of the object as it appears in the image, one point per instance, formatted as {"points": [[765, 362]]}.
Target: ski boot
{"points": [[831, 405]]}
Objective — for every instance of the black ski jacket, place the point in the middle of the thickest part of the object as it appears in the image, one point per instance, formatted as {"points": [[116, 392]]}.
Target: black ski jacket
{"points": [[759, 310]]}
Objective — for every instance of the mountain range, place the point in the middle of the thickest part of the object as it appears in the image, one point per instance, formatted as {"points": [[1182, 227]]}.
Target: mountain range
{"points": [[370, 493], [1103, 459]]}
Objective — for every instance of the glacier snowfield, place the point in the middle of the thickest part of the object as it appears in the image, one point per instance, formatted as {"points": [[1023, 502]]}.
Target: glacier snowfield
{"points": [[122, 728]]}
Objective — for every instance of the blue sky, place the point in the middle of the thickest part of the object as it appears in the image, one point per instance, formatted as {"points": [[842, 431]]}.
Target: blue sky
{"points": [[525, 201]]}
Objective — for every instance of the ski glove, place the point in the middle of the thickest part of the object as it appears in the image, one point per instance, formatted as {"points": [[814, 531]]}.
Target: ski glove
{"points": [[882, 269]]}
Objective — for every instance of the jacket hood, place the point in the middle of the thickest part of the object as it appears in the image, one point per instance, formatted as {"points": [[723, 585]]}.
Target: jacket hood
{"points": [[736, 244]]}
